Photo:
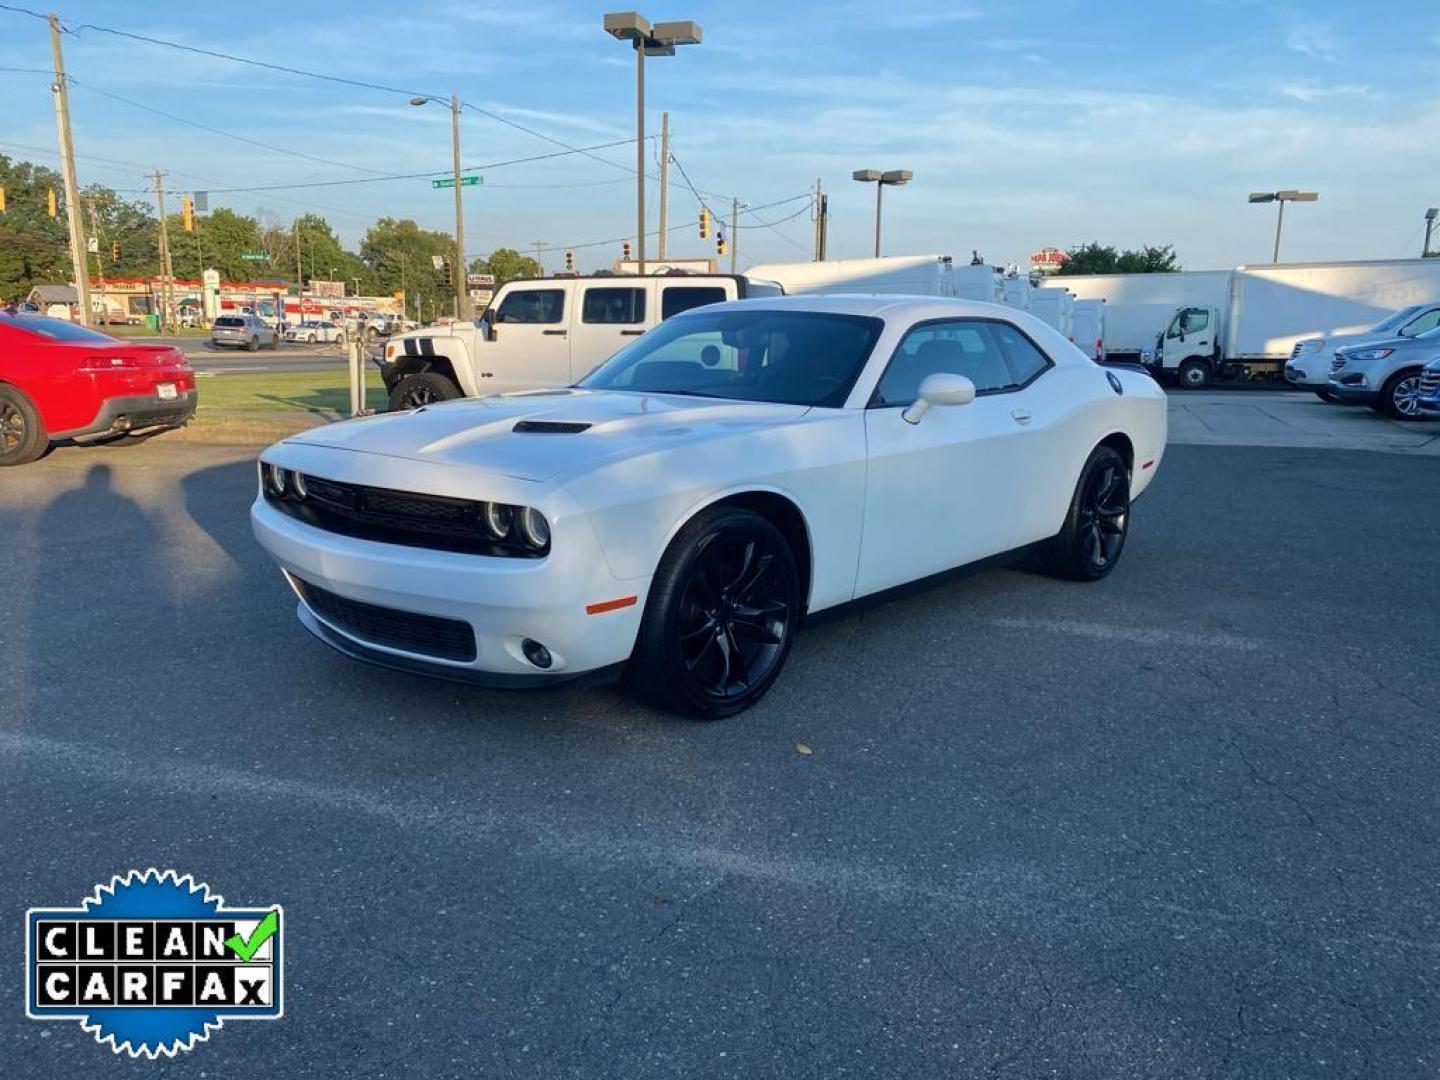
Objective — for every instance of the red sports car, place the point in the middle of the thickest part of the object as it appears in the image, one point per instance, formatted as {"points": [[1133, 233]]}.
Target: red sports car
{"points": [[60, 381]]}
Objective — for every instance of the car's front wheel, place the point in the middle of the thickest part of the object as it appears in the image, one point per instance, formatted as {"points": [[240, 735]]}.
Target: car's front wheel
{"points": [[1193, 375], [723, 612], [1089, 544], [422, 388], [22, 433], [1400, 396]]}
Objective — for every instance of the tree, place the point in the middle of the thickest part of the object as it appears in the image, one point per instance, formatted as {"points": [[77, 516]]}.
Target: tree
{"points": [[1095, 258], [506, 264], [34, 247], [397, 254], [219, 239]]}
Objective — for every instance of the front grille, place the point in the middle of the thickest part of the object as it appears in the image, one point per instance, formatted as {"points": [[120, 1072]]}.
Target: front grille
{"points": [[396, 517], [1337, 363], [425, 635], [1429, 381]]}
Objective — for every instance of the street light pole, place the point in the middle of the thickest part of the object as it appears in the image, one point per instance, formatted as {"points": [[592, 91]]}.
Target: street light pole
{"points": [[659, 40], [1281, 197], [892, 177], [462, 298], [1430, 216]]}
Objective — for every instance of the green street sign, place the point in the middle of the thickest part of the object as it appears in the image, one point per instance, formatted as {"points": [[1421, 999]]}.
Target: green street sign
{"points": [[449, 181], [253, 256]]}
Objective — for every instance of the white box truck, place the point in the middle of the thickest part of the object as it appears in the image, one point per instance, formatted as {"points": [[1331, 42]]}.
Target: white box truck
{"points": [[1247, 321], [915, 275], [1087, 328], [1056, 306], [1138, 305]]}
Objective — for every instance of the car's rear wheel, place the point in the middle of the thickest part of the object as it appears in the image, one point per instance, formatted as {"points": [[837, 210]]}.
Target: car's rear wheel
{"points": [[254, 345], [22, 433], [422, 388], [1400, 396], [275, 341], [723, 612], [1090, 543], [311, 337]]}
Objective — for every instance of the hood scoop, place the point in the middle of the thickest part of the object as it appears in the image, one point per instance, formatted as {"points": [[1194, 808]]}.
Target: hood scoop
{"points": [[549, 427]]}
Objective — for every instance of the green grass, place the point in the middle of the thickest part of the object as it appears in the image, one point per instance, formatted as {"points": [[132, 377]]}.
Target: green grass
{"points": [[295, 392], [145, 331]]}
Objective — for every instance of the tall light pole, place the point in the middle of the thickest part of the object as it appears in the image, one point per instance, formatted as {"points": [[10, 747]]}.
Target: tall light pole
{"points": [[646, 40], [462, 298], [1430, 216], [540, 246], [1281, 197], [892, 178]]}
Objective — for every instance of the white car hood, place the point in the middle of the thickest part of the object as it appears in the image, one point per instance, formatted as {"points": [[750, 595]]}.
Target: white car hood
{"points": [[480, 432]]}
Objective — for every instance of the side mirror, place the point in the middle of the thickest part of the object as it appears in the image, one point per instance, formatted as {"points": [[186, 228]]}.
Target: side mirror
{"points": [[942, 388]]}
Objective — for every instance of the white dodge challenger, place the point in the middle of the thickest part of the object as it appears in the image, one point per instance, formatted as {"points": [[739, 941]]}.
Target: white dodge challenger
{"points": [[675, 515]]}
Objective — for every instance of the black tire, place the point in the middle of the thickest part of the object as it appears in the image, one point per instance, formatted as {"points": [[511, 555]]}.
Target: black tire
{"points": [[275, 341], [422, 388], [22, 433], [311, 338], [723, 611], [1324, 394], [254, 345], [1193, 375], [1400, 396], [1090, 543]]}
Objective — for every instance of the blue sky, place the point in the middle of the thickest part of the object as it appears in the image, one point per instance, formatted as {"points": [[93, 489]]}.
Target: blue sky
{"points": [[1025, 123]]}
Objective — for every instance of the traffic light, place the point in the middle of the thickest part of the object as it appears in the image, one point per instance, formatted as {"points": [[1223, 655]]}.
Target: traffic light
{"points": [[50, 202], [625, 251], [704, 223], [187, 213], [569, 260], [720, 243], [446, 271], [114, 251], [2, 200]]}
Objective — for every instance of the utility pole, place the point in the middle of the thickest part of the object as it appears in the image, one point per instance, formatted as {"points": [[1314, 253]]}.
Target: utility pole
{"points": [[540, 246], [819, 197], [462, 298], [640, 157], [664, 182], [734, 232], [1430, 216], [166, 271], [79, 253], [299, 273]]}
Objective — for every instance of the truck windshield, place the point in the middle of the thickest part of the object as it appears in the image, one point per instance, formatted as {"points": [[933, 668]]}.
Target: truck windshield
{"points": [[786, 357]]}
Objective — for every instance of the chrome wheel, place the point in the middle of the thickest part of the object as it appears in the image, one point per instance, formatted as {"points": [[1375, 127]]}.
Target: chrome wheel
{"points": [[1406, 396], [736, 614], [1104, 516]]}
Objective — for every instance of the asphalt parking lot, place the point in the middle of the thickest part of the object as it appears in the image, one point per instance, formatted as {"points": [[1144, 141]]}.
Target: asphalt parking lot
{"points": [[1182, 823]]}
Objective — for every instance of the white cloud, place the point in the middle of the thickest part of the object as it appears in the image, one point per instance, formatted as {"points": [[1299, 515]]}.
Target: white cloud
{"points": [[1315, 41], [1310, 91]]}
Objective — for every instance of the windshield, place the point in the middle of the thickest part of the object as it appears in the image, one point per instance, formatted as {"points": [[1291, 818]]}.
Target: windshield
{"points": [[1395, 320], [786, 357], [59, 330]]}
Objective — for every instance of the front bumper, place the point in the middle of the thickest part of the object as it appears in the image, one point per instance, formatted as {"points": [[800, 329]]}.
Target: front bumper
{"points": [[503, 600], [1352, 395], [1309, 371], [136, 415]]}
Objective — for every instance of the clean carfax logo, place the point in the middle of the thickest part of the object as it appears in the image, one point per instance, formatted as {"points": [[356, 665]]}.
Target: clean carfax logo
{"points": [[152, 963]]}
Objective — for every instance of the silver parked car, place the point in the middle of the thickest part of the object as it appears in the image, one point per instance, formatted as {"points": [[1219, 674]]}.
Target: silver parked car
{"points": [[313, 330], [1384, 374], [243, 332], [1309, 365]]}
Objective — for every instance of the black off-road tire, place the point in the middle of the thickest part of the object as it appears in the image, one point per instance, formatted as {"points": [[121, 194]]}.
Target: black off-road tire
{"points": [[422, 388]]}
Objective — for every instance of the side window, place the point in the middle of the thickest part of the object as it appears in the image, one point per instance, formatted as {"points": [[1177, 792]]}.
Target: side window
{"points": [[969, 347], [532, 306], [1189, 321], [1024, 357], [678, 298], [613, 306], [1423, 324]]}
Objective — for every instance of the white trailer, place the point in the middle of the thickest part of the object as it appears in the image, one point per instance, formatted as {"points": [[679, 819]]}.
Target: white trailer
{"points": [[1087, 328], [1018, 291], [986, 283], [1138, 305], [906, 275], [1056, 307]]}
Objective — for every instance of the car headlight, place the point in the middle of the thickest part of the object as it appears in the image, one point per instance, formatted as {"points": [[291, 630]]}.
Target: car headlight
{"points": [[274, 479], [1368, 354], [534, 529], [498, 519]]}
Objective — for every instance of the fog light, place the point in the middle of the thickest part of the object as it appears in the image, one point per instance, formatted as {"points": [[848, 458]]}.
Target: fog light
{"points": [[536, 653]]}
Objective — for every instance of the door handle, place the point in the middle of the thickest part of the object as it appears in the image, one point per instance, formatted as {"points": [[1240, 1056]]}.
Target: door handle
{"points": [[554, 333], [631, 333], [1022, 416]]}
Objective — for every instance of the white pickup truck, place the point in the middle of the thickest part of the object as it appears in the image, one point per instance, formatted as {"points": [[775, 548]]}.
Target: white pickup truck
{"points": [[545, 332]]}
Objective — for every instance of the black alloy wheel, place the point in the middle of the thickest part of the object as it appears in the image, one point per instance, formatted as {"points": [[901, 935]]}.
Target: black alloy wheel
{"points": [[12, 427], [22, 433], [421, 389], [722, 615], [735, 615], [1090, 543]]}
